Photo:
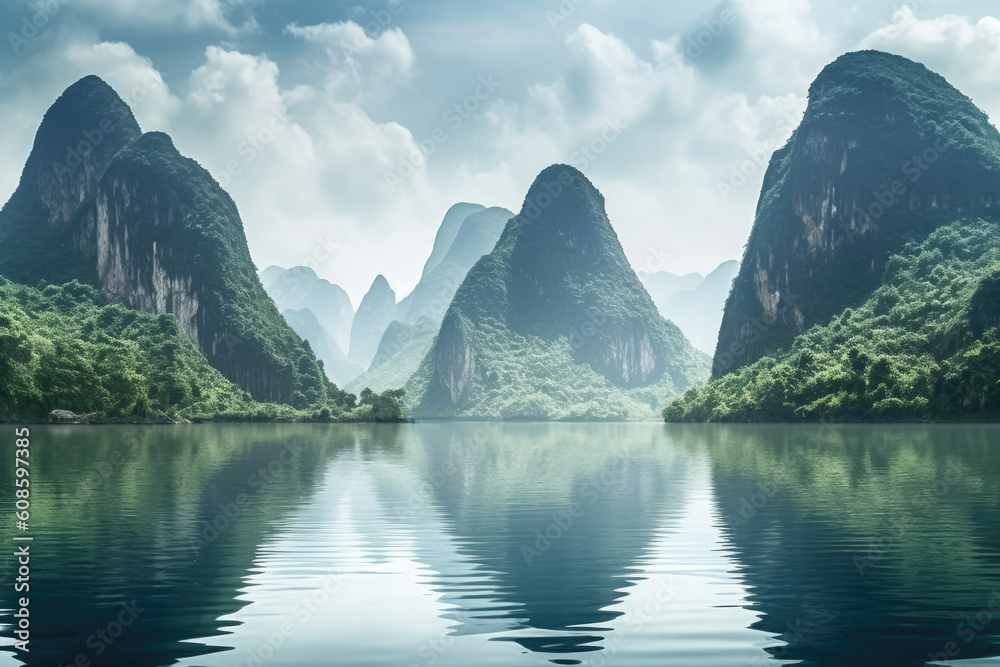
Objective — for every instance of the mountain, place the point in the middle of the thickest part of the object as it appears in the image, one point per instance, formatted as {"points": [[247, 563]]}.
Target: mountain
{"points": [[152, 230], [698, 310], [917, 349], [332, 307], [447, 232], [76, 142], [339, 369], [662, 285], [887, 151], [269, 275], [475, 237], [289, 288], [299, 289], [554, 323], [376, 312], [868, 291], [407, 341], [399, 355]]}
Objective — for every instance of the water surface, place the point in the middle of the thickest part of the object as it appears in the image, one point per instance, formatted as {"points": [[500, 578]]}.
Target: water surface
{"points": [[511, 544]]}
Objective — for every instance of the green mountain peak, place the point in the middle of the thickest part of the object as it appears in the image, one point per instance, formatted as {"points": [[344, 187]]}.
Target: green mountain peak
{"points": [[554, 323], [886, 152], [104, 204], [868, 291]]}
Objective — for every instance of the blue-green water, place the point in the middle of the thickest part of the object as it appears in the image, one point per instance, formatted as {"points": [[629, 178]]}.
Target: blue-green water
{"points": [[510, 544]]}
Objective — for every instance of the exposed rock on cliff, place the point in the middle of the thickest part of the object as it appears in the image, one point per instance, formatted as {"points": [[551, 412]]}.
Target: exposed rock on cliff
{"points": [[554, 323], [887, 151], [78, 138], [985, 307], [154, 232]]}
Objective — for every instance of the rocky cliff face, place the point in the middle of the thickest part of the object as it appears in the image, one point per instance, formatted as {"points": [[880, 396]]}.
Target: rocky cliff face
{"points": [[154, 232], [128, 230], [454, 358], [554, 322], [78, 138], [460, 243], [570, 276], [985, 308], [887, 151]]}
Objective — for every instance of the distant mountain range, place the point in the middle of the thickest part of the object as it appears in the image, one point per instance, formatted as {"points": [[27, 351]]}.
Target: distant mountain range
{"points": [[468, 232], [320, 312], [394, 339], [386, 338], [694, 302]]}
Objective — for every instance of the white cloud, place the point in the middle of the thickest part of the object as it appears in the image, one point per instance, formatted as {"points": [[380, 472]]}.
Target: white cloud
{"points": [[932, 36], [682, 135], [687, 124], [785, 42], [304, 166], [133, 76], [42, 77], [163, 14], [361, 66], [951, 43]]}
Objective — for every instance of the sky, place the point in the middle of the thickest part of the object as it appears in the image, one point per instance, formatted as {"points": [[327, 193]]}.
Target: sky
{"points": [[345, 130]]}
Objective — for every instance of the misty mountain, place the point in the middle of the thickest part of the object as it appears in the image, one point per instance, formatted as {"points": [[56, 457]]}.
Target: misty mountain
{"points": [[662, 285], [475, 236], [554, 323], [697, 308], [375, 314], [339, 369], [459, 244], [299, 289]]}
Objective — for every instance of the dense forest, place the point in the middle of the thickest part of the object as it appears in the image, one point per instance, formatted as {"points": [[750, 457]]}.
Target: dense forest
{"points": [[925, 345], [62, 349], [135, 296]]}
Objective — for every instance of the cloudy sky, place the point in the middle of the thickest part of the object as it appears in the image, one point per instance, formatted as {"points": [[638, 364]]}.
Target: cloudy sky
{"points": [[345, 130]]}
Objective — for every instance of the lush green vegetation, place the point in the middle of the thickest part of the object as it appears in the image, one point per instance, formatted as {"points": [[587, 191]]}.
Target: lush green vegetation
{"points": [[887, 151], [61, 349], [923, 346], [554, 323], [532, 377], [242, 333], [165, 232], [399, 358]]}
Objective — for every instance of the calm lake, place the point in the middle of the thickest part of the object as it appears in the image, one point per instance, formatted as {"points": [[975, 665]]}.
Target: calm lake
{"points": [[469, 544]]}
